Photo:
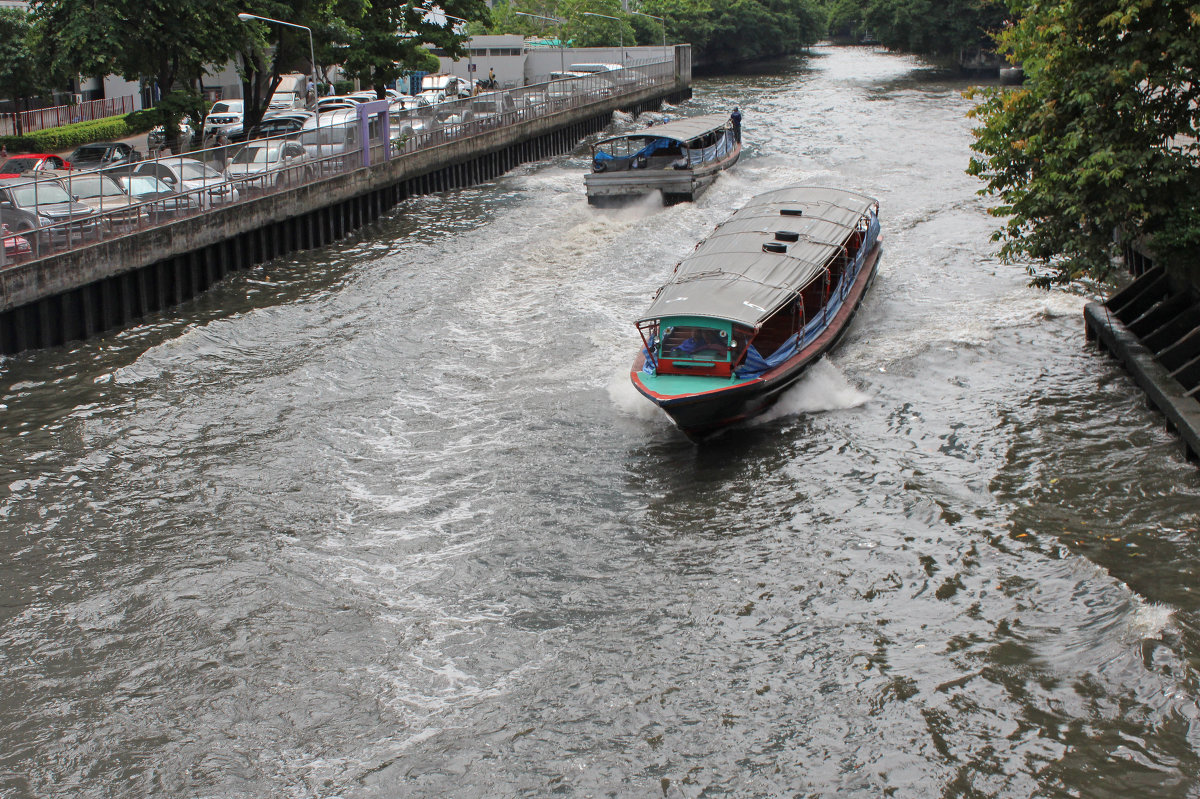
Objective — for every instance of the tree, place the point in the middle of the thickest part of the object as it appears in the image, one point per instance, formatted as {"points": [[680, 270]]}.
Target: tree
{"points": [[932, 27], [166, 42], [22, 73], [588, 31], [266, 51], [686, 20], [386, 40], [1101, 137]]}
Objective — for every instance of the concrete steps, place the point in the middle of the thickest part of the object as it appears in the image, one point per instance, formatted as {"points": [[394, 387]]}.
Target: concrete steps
{"points": [[1152, 327]]}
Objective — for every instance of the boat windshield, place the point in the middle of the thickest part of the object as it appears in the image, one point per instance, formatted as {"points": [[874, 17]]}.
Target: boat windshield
{"points": [[695, 342], [91, 186]]}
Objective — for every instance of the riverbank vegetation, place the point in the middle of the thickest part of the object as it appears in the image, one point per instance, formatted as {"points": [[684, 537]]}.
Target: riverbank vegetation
{"points": [[721, 32], [1100, 138], [924, 27]]}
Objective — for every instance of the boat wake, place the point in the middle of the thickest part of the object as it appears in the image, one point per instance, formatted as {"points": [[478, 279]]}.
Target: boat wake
{"points": [[822, 388], [629, 402], [636, 208]]}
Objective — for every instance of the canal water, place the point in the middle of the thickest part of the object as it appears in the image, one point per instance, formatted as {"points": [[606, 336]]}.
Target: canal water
{"points": [[387, 519]]}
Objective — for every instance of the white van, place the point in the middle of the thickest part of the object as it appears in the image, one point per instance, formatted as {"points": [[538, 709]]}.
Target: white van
{"points": [[595, 67], [439, 87], [615, 74], [289, 94], [337, 132]]}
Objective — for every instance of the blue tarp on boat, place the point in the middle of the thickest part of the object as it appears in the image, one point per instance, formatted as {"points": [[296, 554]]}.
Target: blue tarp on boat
{"points": [[755, 364]]}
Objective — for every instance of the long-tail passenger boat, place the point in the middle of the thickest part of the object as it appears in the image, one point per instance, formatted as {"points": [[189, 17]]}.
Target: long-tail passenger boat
{"points": [[679, 159], [770, 290]]}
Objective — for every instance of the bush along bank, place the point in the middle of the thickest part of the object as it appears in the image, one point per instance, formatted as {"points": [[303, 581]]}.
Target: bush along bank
{"points": [[67, 137]]}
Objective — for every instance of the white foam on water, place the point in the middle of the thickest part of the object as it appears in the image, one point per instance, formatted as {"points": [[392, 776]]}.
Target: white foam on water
{"points": [[629, 402], [1149, 619], [637, 208], [823, 387]]}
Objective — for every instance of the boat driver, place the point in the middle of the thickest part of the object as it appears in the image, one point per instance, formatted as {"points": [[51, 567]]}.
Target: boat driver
{"points": [[702, 338]]}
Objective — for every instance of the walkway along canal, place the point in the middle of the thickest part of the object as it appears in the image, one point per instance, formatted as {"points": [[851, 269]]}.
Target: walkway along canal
{"points": [[98, 285]]}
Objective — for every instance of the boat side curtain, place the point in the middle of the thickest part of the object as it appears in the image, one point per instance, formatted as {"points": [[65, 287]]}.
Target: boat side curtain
{"points": [[722, 148], [654, 146], [754, 364]]}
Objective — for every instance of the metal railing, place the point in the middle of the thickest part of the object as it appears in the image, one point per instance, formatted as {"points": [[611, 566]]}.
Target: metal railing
{"points": [[42, 118], [337, 149]]}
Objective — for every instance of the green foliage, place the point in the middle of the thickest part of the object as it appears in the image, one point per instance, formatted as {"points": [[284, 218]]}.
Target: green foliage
{"points": [[582, 30], [387, 38], [927, 27], [934, 27], [20, 73], [168, 41], [720, 31], [1101, 138], [52, 140]]}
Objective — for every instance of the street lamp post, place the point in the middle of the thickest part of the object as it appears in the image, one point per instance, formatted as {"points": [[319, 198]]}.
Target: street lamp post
{"points": [[620, 31], [244, 17], [562, 61], [661, 21]]}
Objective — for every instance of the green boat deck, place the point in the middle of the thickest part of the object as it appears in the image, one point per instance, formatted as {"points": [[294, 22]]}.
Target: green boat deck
{"points": [[676, 385]]}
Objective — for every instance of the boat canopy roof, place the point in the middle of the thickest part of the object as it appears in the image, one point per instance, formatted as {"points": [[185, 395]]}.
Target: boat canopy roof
{"points": [[730, 276], [681, 130]]}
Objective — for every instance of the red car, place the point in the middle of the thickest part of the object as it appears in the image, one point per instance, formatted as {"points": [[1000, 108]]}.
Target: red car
{"points": [[16, 248], [17, 165]]}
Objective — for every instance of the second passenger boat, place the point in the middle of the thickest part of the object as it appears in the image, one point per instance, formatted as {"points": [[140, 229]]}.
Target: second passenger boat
{"points": [[772, 289], [679, 159]]}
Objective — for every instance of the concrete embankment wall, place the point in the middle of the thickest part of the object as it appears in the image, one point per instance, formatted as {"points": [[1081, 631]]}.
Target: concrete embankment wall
{"points": [[119, 281], [1152, 327]]}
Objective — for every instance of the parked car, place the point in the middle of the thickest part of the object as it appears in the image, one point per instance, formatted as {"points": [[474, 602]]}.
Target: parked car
{"points": [[16, 248], [156, 139], [281, 124], [284, 101], [18, 165], [162, 202], [226, 117], [196, 178], [39, 210], [103, 194], [269, 164], [104, 155], [336, 103], [368, 96]]}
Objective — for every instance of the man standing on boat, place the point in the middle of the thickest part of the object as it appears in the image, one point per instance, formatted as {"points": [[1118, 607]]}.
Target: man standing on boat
{"points": [[736, 119]]}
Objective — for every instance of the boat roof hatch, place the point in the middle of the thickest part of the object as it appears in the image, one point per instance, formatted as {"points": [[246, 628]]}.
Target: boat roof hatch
{"points": [[758, 259]]}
